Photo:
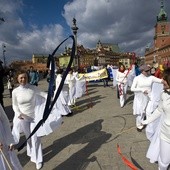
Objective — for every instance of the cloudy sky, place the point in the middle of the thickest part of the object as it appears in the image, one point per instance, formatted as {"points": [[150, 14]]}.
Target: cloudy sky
{"points": [[38, 26]]}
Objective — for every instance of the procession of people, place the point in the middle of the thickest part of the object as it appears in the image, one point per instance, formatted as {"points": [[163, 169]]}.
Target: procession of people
{"points": [[151, 88]]}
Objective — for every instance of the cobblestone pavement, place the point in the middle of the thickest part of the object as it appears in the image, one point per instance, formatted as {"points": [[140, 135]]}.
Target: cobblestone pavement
{"points": [[88, 139]]}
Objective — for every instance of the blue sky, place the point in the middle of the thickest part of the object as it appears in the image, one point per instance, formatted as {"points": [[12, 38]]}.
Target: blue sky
{"points": [[38, 26], [44, 12]]}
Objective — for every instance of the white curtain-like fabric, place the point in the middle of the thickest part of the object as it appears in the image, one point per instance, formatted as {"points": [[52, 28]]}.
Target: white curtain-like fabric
{"points": [[53, 121], [80, 88], [155, 95], [140, 103], [114, 71], [6, 139], [139, 106], [131, 76], [154, 136]]}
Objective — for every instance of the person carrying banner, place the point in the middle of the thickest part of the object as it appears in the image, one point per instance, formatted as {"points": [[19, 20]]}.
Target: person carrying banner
{"points": [[121, 78], [106, 80], [8, 157]]}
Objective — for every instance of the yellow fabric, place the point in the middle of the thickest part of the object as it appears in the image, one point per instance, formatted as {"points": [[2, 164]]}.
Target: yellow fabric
{"points": [[95, 75]]}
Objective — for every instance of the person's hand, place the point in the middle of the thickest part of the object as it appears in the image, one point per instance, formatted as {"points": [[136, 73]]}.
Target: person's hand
{"points": [[1, 145], [143, 122], [20, 116], [163, 81], [145, 92]]}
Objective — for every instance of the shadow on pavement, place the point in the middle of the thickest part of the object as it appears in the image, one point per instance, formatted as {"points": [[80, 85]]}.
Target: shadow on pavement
{"points": [[90, 134], [10, 113], [87, 103]]}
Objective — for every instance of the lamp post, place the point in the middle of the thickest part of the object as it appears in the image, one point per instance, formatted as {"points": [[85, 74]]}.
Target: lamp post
{"points": [[3, 45], [74, 29], [4, 50]]}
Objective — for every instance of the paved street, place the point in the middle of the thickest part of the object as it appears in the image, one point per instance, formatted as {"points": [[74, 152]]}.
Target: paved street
{"points": [[88, 139]]}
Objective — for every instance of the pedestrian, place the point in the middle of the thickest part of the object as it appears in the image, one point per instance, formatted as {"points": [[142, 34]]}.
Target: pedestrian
{"points": [[2, 73], [33, 76], [24, 103], [62, 101], [8, 157], [106, 80], [121, 78], [141, 87], [10, 83], [163, 110]]}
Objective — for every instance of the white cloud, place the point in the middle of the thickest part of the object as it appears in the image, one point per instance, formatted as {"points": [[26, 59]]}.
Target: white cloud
{"points": [[130, 23]]}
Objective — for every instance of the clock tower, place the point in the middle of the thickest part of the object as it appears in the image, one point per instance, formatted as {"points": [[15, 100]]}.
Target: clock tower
{"points": [[162, 28]]}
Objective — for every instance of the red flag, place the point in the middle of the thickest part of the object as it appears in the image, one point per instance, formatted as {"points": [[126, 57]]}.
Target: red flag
{"points": [[125, 160]]}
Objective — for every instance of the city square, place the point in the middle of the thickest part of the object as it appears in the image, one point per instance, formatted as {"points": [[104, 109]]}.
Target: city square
{"points": [[115, 53], [89, 138]]}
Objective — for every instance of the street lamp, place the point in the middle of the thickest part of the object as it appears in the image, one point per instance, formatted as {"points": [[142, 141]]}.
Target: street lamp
{"points": [[74, 29], [4, 50]]}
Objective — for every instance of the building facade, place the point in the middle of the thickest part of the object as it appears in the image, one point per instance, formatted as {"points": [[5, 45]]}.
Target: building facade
{"points": [[160, 52], [106, 54]]}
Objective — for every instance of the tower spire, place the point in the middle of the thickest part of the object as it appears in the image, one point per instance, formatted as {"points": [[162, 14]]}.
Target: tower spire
{"points": [[162, 3], [162, 16]]}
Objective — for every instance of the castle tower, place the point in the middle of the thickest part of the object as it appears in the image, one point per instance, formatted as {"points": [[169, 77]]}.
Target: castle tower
{"points": [[162, 28]]}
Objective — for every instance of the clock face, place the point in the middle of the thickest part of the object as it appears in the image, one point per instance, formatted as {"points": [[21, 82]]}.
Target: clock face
{"points": [[162, 27]]}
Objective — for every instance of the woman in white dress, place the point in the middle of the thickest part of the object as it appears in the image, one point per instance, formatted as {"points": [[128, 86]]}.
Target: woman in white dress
{"points": [[23, 104], [71, 81], [7, 154], [121, 78], [141, 86], [163, 110], [62, 101]]}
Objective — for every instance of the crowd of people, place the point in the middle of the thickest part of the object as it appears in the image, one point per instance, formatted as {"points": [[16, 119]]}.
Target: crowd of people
{"points": [[28, 103], [151, 105]]}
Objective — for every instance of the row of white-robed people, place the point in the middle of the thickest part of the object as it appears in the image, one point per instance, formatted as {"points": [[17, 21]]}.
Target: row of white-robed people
{"points": [[151, 107], [28, 103]]}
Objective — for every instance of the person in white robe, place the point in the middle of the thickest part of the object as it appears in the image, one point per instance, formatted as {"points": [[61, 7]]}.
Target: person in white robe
{"points": [[155, 95], [141, 87], [8, 157], [71, 81], [121, 78], [62, 101], [26, 103], [114, 71], [131, 75], [163, 111], [80, 85]]}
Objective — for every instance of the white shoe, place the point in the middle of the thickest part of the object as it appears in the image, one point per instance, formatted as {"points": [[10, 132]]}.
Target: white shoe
{"points": [[39, 165]]}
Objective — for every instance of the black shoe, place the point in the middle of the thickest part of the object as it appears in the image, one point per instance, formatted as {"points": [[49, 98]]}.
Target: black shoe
{"points": [[139, 130], [70, 114]]}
